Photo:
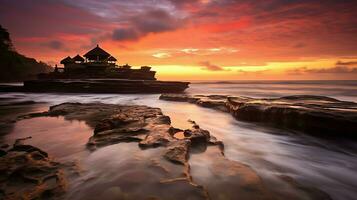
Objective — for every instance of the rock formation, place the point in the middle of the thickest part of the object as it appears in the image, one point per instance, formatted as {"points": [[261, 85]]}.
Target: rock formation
{"points": [[120, 86], [145, 125], [316, 115], [150, 129], [29, 173], [41, 177]]}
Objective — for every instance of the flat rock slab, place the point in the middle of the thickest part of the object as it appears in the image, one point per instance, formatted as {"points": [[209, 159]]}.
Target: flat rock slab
{"points": [[121, 86], [316, 115]]}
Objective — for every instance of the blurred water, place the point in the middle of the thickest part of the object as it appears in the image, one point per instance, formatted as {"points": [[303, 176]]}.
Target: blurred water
{"points": [[272, 153]]}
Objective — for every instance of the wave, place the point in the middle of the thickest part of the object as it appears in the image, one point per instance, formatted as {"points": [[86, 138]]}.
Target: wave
{"points": [[285, 82]]}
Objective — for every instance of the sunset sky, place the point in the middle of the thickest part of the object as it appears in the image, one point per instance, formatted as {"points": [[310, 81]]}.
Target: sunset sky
{"points": [[195, 39]]}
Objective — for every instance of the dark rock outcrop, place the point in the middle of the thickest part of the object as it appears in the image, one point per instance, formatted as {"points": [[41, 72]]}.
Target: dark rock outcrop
{"points": [[121, 86], [316, 115], [217, 102], [145, 125], [28, 173]]}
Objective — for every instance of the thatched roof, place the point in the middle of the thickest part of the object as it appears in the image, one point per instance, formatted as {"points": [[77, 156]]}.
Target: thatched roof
{"points": [[111, 58], [97, 51], [78, 58], [66, 60]]}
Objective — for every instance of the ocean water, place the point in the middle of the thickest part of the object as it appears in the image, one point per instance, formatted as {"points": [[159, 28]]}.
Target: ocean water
{"points": [[341, 89], [329, 166]]}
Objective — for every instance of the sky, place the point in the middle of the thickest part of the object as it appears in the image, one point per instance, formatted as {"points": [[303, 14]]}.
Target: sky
{"points": [[195, 39]]}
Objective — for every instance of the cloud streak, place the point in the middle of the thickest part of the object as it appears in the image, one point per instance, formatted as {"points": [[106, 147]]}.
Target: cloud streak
{"points": [[55, 44], [206, 65], [152, 21], [331, 70], [348, 63]]}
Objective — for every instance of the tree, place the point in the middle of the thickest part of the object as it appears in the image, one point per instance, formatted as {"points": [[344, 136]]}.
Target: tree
{"points": [[14, 66], [5, 41]]}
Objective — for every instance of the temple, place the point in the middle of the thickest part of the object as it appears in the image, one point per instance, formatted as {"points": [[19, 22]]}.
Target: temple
{"points": [[98, 72], [97, 63]]}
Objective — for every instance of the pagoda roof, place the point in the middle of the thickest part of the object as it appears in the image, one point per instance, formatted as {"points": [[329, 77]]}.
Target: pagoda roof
{"points": [[66, 60], [78, 58], [97, 51], [111, 58]]}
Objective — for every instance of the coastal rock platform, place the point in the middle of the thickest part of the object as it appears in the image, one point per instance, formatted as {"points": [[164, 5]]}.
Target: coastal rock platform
{"points": [[316, 115], [122, 86], [171, 170], [151, 129]]}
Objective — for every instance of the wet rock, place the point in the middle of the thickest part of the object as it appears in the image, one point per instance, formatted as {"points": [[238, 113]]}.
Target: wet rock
{"points": [[157, 136], [197, 135], [28, 149], [116, 135], [121, 86], [232, 179], [177, 151], [316, 115], [28, 173], [211, 101], [21, 141], [179, 97], [145, 125], [150, 128]]}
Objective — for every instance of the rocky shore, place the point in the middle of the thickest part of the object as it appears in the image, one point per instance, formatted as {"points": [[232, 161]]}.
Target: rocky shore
{"points": [[30, 173], [151, 129], [120, 86], [316, 115]]}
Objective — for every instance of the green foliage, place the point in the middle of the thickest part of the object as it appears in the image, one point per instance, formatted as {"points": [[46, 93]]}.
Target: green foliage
{"points": [[14, 66]]}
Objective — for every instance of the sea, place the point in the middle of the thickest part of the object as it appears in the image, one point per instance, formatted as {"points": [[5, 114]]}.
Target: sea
{"points": [[329, 166]]}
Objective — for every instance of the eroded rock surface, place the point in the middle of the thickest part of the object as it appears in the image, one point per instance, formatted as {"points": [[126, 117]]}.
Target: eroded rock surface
{"points": [[28, 173], [149, 128], [317, 115]]}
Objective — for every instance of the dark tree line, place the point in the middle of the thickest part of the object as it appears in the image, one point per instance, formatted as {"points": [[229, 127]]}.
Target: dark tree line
{"points": [[14, 66]]}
